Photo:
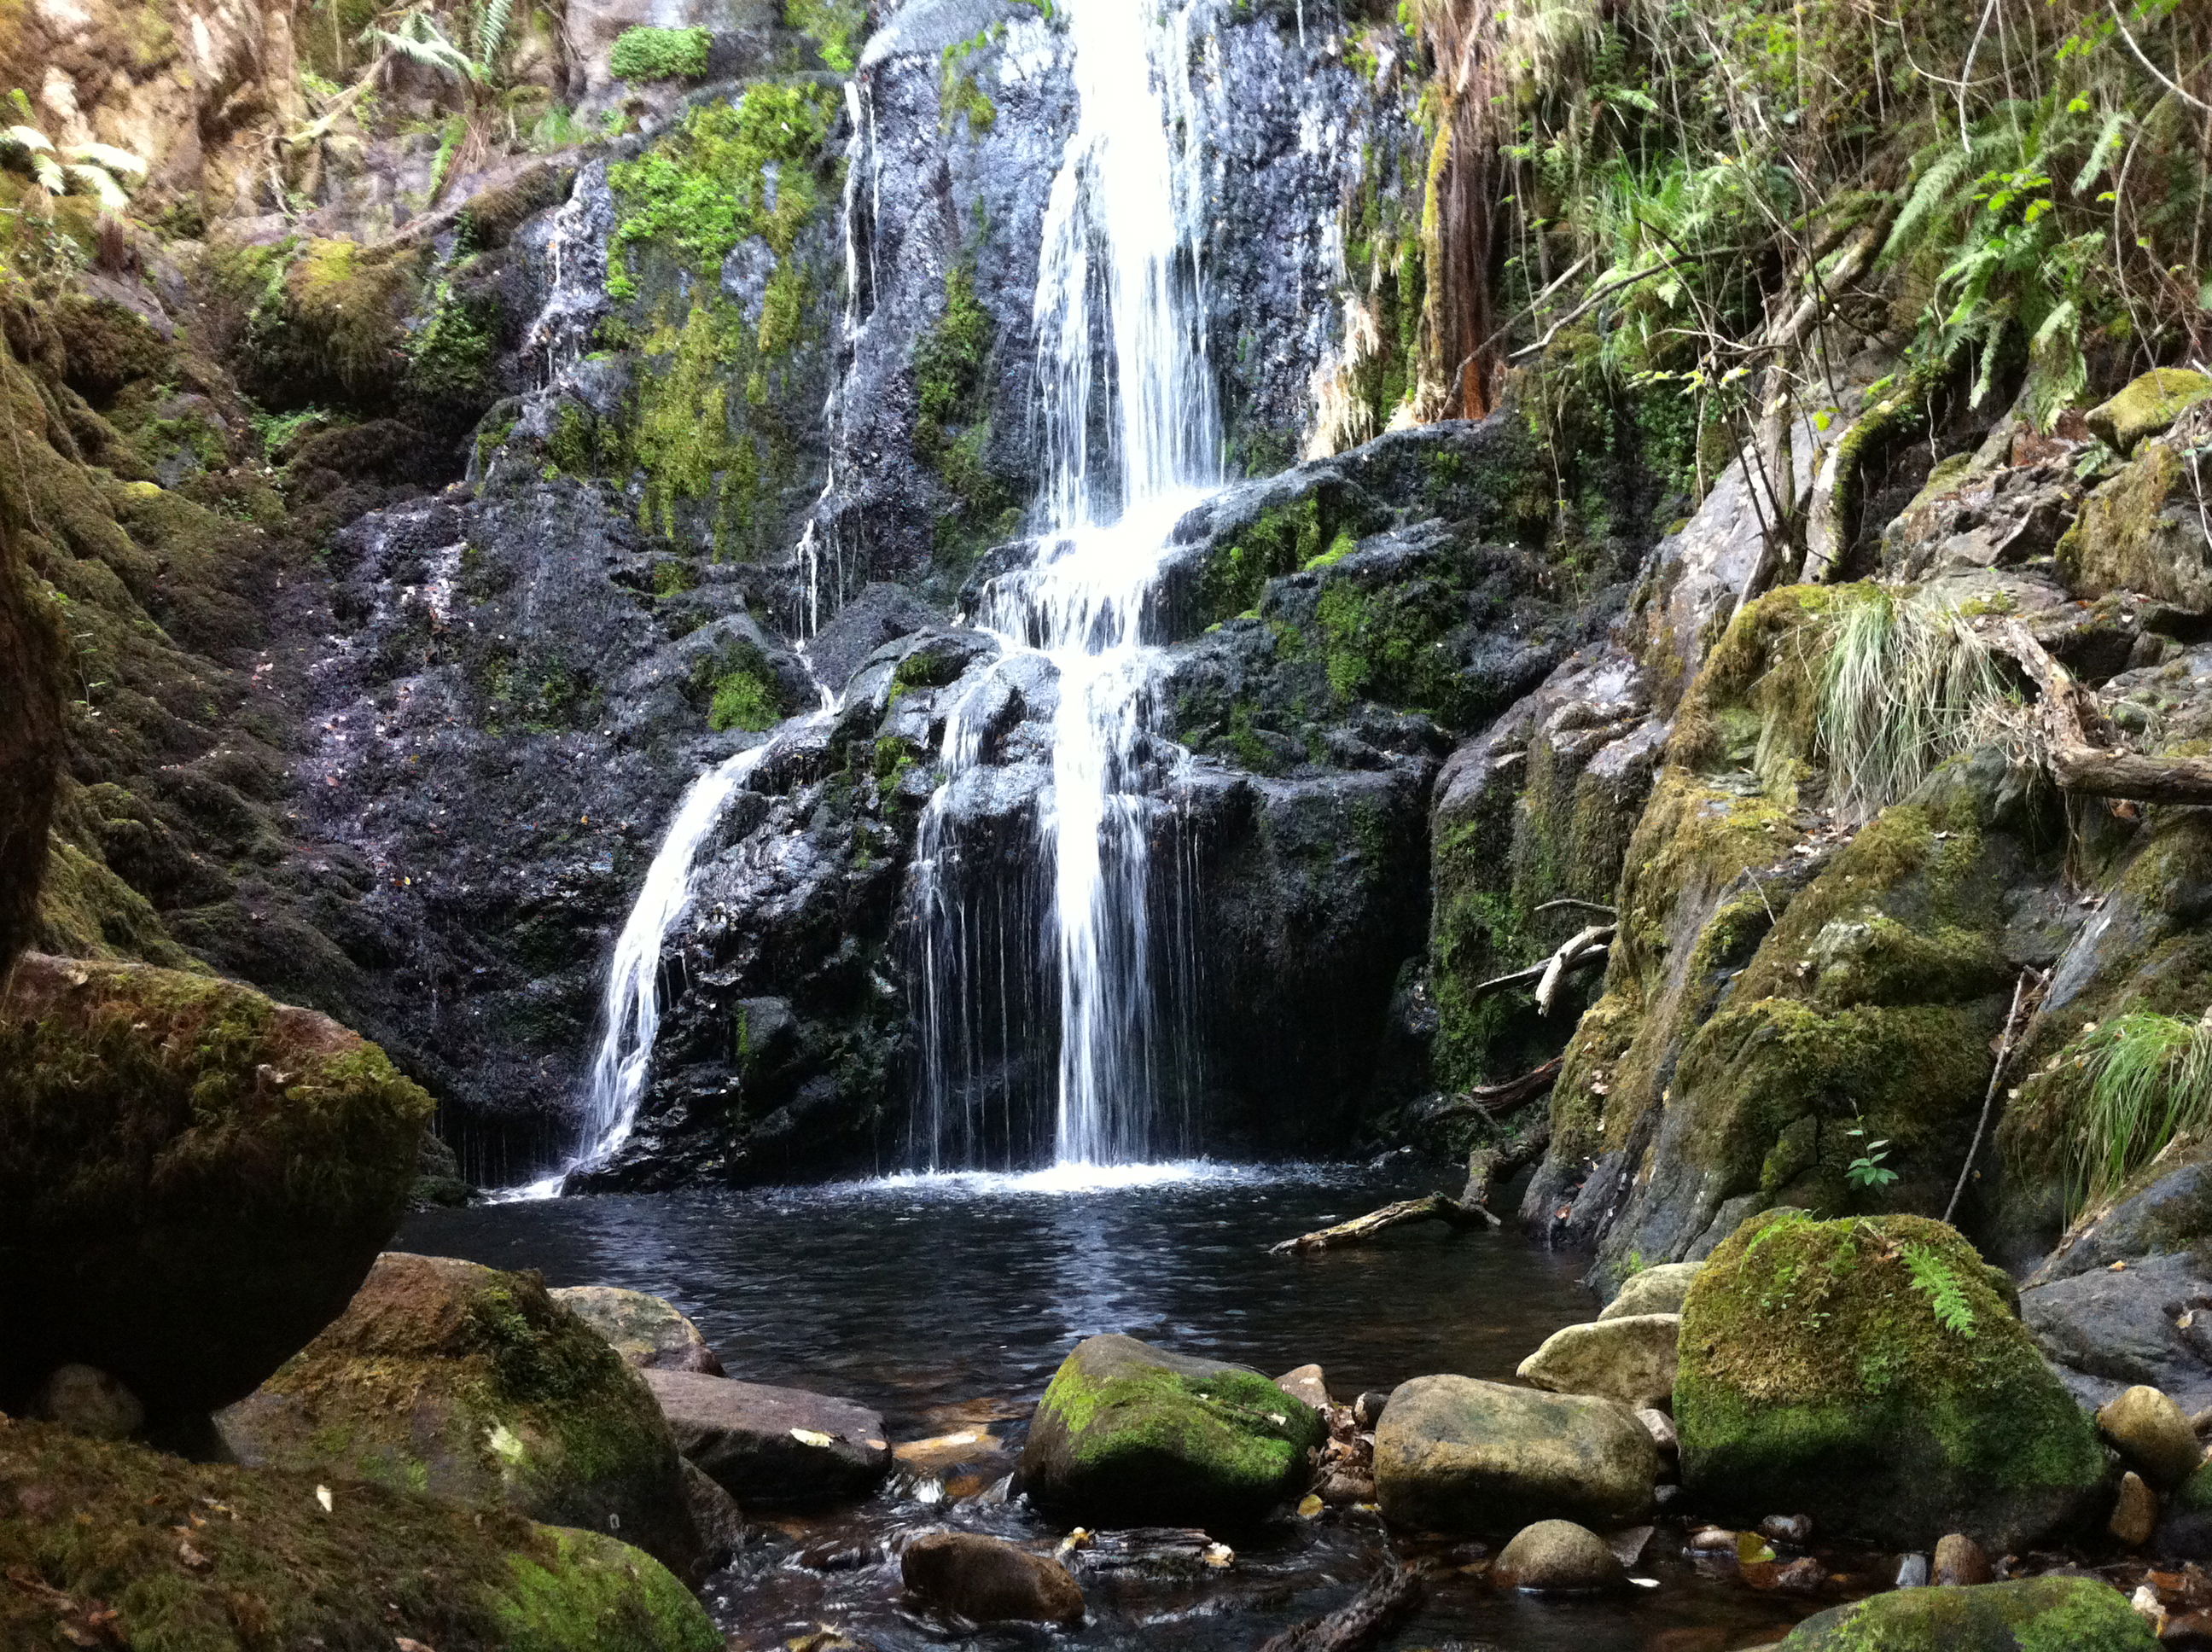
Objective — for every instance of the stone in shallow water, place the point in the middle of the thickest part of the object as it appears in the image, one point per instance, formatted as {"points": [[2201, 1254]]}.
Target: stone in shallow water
{"points": [[773, 1445], [988, 1579], [1558, 1556], [650, 1332], [1631, 1359]]}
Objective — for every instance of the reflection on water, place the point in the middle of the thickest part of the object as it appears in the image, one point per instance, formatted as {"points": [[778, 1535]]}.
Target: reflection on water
{"points": [[943, 1298]]}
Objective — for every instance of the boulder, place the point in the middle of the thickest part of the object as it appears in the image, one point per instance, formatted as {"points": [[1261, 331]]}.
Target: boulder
{"points": [[2082, 1614], [88, 1402], [1307, 1385], [193, 1179], [1130, 1434], [1631, 1359], [226, 1559], [2148, 1429], [2148, 406], [472, 1384], [2142, 532], [2185, 1531], [773, 1445], [1867, 1372], [715, 1516], [648, 1331], [1558, 1556], [1459, 1455], [1655, 1291], [988, 1579], [2110, 1331]]}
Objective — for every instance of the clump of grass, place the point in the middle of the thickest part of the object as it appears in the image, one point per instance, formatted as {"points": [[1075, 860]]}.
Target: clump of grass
{"points": [[1906, 684], [2150, 1080]]}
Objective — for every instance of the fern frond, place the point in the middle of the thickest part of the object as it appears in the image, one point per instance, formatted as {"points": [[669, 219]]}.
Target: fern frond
{"points": [[29, 138], [2102, 151], [48, 171], [119, 162], [491, 33], [434, 52], [98, 185], [1947, 1294]]}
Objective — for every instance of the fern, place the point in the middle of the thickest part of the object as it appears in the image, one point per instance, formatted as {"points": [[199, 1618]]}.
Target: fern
{"points": [[1947, 1294], [491, 33], [419, 40]]}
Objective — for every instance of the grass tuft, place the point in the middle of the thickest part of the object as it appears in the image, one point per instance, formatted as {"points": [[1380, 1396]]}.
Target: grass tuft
{"points": [[2150, 1080]]}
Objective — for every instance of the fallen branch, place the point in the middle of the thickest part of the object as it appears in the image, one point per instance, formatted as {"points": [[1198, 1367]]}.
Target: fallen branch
{"points": [[1578, 953], [1569, 900], [1387, 1601], [1436, 1207], [2026, 992], [1489, 1168], [1596, 939], [1496, 1100], [2074, 731]]}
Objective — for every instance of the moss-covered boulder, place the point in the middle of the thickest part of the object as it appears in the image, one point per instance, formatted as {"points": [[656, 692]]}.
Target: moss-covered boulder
{"points": [[648, 1331], [2143, 531], [1130, 1434], [193, 1179], [1869, 1372], [224, 1560], [2037, 1614], [31, 732], [1630, 1358], [459, 1380], [2148, 406]]}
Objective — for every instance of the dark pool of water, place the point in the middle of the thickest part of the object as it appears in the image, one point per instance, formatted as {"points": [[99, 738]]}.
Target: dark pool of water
{"points": [[941, 1301]]}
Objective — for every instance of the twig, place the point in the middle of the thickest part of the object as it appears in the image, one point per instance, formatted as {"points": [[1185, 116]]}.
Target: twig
{"points": [[2023, 995], [2193, 101], [1574, 959], [1392, 1596], [1587, 905]]}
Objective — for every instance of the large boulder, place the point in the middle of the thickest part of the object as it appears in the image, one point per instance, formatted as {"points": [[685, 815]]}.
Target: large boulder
{"points": [[1867, 1372], [2148, 406], [1458, 1455], [193, 1179], [988, 1579], [650, 1332], [1630, 1359], [2081, 1614], [1130, 1434], [224, 1560], [2142, 531], [459, 1380], [772, 1445]]}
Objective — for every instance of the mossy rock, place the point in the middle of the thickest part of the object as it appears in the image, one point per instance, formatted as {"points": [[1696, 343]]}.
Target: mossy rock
{"points": [[193, 1179], [31, 732], [215, 1559], [1869, 1372], [2148, 406], [2142, 532], [462, 1381], [2036, 1614], [1130, 1434]]}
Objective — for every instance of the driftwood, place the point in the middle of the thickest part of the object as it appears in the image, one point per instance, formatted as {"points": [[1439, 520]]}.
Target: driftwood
{"points": [[1436, 1207], [2075, 731], [1588, 946], [1496, 1100], [1385, 1602], [1489, 1168]]}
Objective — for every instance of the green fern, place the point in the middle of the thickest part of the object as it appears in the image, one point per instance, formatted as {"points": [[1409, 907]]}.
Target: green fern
{"points": [[491, 33], [1947, 1294]]}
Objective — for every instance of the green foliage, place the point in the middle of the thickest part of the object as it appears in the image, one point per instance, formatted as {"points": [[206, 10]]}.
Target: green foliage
{"points": [[1933, 1279], [645, 53], [836, 27], [743, 700], [2149, 1079], [960, 94]]}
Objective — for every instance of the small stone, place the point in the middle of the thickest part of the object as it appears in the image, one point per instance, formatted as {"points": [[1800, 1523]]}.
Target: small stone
{"points": [[1912, 1572], [988, 1579], [1714, 1538], [1558, 1557], [1340, 1488], [1628, 1546], [1959, 1563], [1655, 1291], [1307, 1385], [1367, 1410], [1795, 1530], [755, 1440], [648, 1331], [2134, 1512], [1662, 1430], [87, 1400], [2150, 1431], [1803, 1575]]}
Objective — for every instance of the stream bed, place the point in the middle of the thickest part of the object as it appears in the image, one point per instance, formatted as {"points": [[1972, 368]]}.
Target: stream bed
{"points": [[947, 1302]]}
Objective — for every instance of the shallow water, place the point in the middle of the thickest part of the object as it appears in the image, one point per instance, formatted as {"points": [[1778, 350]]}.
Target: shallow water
{"points": [[947, 1303]]}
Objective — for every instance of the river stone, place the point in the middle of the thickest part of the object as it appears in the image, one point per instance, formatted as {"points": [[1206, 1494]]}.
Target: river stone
{"points": [[1959, 1562], [193, 1178], [87, 1400], [1558, 1556], [1456, 1455], [1631, 1359], [2148, 1429], [1816, 1377], [1308, 1385], [648, 1331], [1130, 1434], [2148, 406], [770, 1445], [1655, 1291], [303, 1560], [459, 1379], [2134, 1512], [988, 1579], [715, 1517], [2080, 1614]]}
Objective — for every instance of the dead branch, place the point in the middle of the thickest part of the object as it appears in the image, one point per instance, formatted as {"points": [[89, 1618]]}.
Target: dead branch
{"points": [[1578, 953], [2075, 731], [1390, 1598], [1490, 1167], [1496, 1100], [1596, 939], [1436, 1207], [1569, 900], [2027, 993]]}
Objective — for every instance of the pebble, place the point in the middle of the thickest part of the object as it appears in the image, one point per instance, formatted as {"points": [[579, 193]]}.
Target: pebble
{"points": [[1959, 1563], [1912, 1572], [2134, 1512]]}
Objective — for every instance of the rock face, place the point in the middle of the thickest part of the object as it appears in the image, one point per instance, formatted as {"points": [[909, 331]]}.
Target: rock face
{"points": [[1557, 1556], [1630, 1359], [1868, 1373], [772, 1445], [648, 1331], [2080, 1613], [270, 1564], [192, 1179], [1458, 1455], [988, 1579], [31, 739], [1130, 1434], [446, 1377]]}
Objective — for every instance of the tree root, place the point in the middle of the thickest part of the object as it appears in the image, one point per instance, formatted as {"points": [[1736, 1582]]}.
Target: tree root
{"points": [[2075, 732]]}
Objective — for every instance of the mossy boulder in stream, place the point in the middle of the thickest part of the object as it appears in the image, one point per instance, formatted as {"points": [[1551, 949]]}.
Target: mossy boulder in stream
{"points": [[224, 1560], [192, 1179], [1871, 1373], [459, 1380], [2036, 1614], [1130, 1434]]}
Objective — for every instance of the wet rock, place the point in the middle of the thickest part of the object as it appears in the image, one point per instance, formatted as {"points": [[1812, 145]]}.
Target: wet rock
{"points": [[875, 615], [1661, 1427], [473, 1384], [2149, 1430], [1457, 1456], [1911, 1572], [1128, 1433], [1998, 518], [1307, 1386], [2186, 1533], [1655, 1291], [1795, 1530], [2134, 1512], [1341, 1488], [2080, 1613], [186, 1553], [988, 1579], [648, 1331], [1367, 1410], [1957, 1433], [715, 1517], [1959, 1563], [766, 1445], [2148, 406], [193, 1179], [1558, 1557], [30, 739], [1629, 1359], [2109, 1330], [88, 1401]]}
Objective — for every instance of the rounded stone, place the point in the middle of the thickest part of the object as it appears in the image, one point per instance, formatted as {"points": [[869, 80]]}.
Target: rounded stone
{"points": [[648, 1331], [1961, 1562], [1632, 1359], [1655, 1291], [2084, 1614], [2134, 1512], [988, 1579], [1558, 1557], [2146, 1427]]}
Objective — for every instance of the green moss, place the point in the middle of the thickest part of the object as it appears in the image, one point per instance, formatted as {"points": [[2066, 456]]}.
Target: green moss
{"points": [[2038, 1615], [836, 27], [960, 96], [1280, 540], [743, 700], [659, 54], [952, 429], [672, 576]]}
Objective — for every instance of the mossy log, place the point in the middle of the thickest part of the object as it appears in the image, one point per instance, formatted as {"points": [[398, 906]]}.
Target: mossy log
{"points": [[1433, 1207]]}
